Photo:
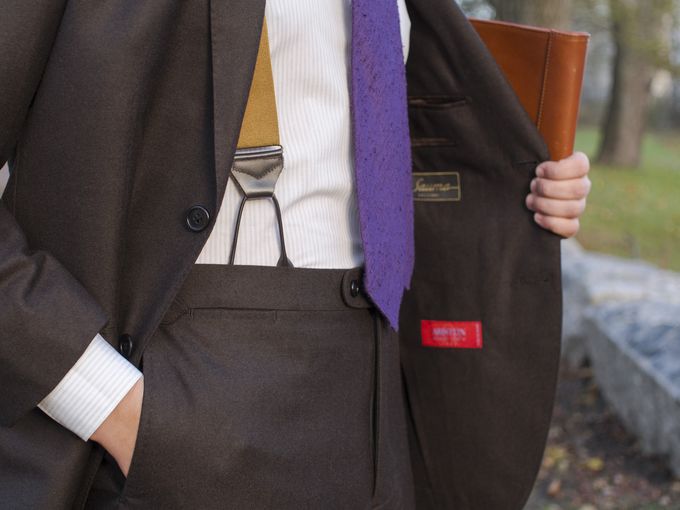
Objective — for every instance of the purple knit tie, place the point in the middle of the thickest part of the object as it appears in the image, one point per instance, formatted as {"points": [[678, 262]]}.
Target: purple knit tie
{"points": [[382, 152]]}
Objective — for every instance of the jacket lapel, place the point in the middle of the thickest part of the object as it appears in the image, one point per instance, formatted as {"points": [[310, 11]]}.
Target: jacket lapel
{"points": [[233, 61], [235, 27]]}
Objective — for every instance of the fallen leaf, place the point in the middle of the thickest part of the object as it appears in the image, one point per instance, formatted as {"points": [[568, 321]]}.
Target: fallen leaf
{"points": [[595, 464], [554, 488]]}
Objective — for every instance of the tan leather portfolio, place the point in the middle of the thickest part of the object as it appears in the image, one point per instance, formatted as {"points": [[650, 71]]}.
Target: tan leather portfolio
{"points": [[545, 68]]}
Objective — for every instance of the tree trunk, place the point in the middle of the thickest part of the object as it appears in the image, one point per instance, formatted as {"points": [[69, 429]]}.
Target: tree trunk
{"points": [[639, 39], [626, 120], [543, 13]]}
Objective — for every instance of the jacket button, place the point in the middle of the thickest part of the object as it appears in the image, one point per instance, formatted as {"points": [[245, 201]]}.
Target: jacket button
{"points": [[198, 218], [125, 345], [354, 288]]}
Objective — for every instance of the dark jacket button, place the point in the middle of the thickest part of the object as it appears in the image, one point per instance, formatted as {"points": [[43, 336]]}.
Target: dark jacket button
{"points": [[125, 345], [354, 288], [198, 218]]}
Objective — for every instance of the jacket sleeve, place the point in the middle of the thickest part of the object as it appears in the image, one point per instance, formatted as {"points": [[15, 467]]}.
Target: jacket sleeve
{"points": [[47, 318]]}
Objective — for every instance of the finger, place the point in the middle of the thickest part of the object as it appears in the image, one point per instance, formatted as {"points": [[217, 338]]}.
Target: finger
{"points": [[559, 208], [570, 189], [561, 226], [575, 166]]}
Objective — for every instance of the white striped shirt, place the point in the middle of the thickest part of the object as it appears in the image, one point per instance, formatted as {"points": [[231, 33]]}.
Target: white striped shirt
{"points": [[310, 50]]}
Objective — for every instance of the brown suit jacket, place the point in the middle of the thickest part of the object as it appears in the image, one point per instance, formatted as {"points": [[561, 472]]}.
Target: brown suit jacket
{"points": [[117, 117]]}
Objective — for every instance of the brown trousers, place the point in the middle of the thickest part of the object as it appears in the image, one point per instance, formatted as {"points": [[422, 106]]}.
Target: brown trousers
{"points": [[268, 388]]}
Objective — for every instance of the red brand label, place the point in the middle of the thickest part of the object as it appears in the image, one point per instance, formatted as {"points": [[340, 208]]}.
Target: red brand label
{"points": [[451, 335]]}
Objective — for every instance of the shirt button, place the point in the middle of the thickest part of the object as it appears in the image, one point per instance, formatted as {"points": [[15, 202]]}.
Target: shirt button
{"points": [[198, 218], [125, 345], [354, 288]]}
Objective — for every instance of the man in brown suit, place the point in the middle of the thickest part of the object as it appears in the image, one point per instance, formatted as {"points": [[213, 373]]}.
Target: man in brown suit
{"points": [[120, 121]]}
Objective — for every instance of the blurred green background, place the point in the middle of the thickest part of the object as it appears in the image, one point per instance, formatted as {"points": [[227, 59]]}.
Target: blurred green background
{"points": [[635, 212]]}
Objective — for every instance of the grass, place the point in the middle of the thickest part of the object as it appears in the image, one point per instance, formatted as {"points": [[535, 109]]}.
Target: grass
{"points": [[635, 212]]}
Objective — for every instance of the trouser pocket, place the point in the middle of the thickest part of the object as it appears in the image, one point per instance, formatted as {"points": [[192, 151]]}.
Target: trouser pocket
{"points": [[257, 409]]}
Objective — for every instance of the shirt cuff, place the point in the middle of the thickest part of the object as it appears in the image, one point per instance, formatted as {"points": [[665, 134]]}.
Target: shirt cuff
{"points": [[93, 387]]}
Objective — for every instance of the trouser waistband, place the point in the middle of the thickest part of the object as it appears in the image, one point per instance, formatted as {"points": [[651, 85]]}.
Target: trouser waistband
{"points": [[271, 288]]}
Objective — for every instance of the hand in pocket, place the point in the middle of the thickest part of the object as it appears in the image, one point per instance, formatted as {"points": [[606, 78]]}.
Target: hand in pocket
{"points": [[118, 433]]}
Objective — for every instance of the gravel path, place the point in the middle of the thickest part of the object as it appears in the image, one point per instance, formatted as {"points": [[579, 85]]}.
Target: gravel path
{"points": [[592, 463]]}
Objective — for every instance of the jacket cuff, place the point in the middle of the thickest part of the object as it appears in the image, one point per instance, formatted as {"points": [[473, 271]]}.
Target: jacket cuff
{"points": [[91, 389]]}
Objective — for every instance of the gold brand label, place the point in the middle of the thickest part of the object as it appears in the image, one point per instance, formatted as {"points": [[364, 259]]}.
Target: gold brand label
{"points": [[436, 187]]}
